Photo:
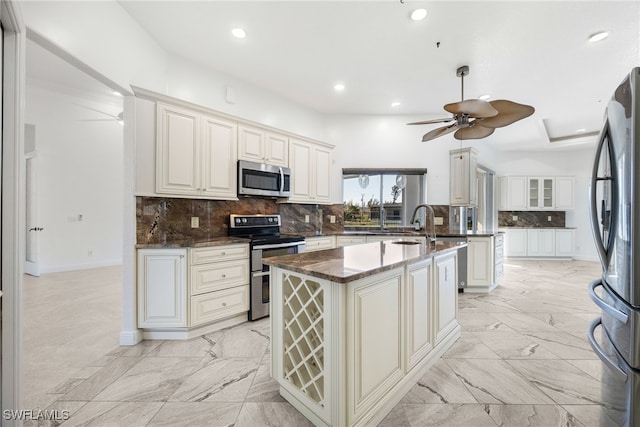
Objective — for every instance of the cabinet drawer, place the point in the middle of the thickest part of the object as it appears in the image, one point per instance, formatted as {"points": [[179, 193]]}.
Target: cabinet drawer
{"points": [[219, 304], [499, 272], [219, 275], [218, 253], [318, 243], [498, 240], [499, 253], [352, 240]]}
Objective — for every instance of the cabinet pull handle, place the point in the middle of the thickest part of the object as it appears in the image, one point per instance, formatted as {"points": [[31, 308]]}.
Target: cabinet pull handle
{"points": [[181, 256], [223, 253], [224, 275], [446, 271]]}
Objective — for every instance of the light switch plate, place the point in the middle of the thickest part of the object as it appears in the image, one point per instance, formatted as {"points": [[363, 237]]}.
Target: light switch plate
{"points": [[332, 219], [549, 218], [515, 217], [306, 218], [438, 220], [195, 222]]}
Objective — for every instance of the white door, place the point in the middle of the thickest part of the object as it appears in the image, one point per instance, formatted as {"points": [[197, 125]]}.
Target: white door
{"points": [[33, 229]]}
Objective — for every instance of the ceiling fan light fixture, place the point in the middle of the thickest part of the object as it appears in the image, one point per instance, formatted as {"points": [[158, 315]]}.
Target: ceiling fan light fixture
{"points": [[419, 14], [116, 93], [596, 37], [339, 87], [484, 97]]}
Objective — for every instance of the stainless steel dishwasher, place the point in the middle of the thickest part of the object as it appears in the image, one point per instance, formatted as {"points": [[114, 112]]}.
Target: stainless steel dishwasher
{"points": [[462, 260]]}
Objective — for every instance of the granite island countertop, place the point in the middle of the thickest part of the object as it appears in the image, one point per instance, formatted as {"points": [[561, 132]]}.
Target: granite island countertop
{"points": [[349, 263]]}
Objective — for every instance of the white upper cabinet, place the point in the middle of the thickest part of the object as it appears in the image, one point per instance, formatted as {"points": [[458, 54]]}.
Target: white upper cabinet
{"points": [[310, 172], [261, 146], [520, 193], [541, 193], [564, 192], [196, 154], [463, 185]]}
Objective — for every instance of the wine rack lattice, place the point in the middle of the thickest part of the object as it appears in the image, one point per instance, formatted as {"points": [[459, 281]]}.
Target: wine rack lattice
{"points": [[303, 303]]}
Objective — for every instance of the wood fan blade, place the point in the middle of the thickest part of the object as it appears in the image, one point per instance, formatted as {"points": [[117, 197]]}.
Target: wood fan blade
{"points": [[508, 112], [472, 107], [439, 132], [429, 122], [473, 132]]}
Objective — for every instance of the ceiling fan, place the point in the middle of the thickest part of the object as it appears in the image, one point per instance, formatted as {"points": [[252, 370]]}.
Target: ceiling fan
{"points": [[475, 118], [118, 118]]}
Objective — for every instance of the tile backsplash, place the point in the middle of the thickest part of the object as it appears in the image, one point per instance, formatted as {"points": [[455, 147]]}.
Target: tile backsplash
{"points": [[531, 219], [165, 219]]}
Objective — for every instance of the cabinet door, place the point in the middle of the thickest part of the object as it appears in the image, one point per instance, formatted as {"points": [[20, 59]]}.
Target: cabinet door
{"points": [[322, 175], [516, 242], [300, 163], [446, 295], [318, 243], [276, 149], [251, 144], [564, 243], [480, 261], [162, 277], [418, 303], [541, 193], [564, 197], [516, 193], [459, 164], [177, 157], [541, 243], [219, 155], [502, 193]]}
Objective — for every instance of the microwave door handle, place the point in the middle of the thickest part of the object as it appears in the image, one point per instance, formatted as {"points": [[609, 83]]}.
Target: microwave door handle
{"points": [[281, 180], [602, 252]]}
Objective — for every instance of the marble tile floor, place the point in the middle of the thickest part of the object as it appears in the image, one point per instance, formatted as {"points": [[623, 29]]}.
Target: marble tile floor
{"points": [[523, 360]]}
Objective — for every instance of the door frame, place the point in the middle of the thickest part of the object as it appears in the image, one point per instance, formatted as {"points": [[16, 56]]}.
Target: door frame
{"points": [[31, 265], [13, 206]]}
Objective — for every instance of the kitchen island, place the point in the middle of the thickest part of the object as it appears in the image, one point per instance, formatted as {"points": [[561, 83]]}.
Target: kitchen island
{"points": [[354, 328]]}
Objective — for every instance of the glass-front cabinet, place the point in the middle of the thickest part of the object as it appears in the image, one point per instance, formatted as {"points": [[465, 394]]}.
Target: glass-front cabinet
{"points": [[541, 193]]}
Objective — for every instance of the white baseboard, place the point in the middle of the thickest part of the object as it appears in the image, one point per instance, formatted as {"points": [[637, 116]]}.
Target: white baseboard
{"points": [[130, 337], [85, 266]]}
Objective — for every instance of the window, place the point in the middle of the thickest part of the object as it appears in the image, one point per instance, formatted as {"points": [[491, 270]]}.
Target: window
{"points": [[381, 197]]}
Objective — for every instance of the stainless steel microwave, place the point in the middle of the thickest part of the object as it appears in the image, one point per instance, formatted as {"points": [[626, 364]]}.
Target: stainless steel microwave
{"points": [[259, 179]]}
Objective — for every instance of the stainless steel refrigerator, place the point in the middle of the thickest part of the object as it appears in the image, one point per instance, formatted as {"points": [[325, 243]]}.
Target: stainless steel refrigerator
{"points": [[615, 217]]}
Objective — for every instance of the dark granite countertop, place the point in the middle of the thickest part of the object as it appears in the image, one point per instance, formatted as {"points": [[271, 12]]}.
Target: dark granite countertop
{"points": [[548, 227], [193, 243], [351, 263]]}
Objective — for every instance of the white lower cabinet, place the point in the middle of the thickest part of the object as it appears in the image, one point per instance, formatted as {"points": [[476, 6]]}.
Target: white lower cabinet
{"points": [[446, 295], [484, 263], [539, 242], [418, 302], [162, 288], [185, 288]]}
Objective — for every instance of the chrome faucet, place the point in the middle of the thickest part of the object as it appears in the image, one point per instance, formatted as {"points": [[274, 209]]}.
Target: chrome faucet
{"points": [[431, 234]]}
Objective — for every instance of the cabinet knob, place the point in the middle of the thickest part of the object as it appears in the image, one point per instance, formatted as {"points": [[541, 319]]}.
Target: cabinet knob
{"points": [[224, 275], [223, 253], [224, 304]]}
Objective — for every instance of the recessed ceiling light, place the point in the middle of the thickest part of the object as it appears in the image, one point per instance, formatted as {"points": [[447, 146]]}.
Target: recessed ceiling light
{"points": [[581, 130], [116, 93], [339, 87], [484, 97], [395, 104], [239, 33], [598, 36], [419, 14]]}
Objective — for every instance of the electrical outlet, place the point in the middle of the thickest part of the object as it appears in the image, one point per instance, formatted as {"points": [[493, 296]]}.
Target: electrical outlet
{"points": [[195, 222], [438, 220], [549, 218], [332, 219], [515, 217], [306, 218]]}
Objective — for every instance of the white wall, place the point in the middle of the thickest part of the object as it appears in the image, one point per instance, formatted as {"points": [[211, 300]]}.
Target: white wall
{"points": [[80, 170], [387, 142], [102, 36], [576, 163]]}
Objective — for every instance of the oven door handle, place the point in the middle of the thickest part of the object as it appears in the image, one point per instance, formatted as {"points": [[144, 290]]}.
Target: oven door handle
{"points": [[260, 274], [278, 245]]}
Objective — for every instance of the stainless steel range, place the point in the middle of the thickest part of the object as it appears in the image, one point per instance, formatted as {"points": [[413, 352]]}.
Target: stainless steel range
{"points": [[265, 240]]}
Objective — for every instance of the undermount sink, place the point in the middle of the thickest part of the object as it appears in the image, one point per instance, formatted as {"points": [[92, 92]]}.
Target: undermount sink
{"points": [[406, 242]]}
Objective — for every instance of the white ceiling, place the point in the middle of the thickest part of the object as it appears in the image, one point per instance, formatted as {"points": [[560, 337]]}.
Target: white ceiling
{"points": [[534, 53]]}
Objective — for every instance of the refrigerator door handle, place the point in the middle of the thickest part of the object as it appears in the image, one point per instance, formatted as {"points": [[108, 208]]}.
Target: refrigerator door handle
{"points": [[609, 309], [600, 352], [602, 252]]}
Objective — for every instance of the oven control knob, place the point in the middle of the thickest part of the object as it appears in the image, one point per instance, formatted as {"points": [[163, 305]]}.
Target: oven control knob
{"points": [[270, 219], [238, 220], [244, 220]]}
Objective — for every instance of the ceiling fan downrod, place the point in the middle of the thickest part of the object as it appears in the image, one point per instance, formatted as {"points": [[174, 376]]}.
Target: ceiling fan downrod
{"points": [[461, 72]]}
